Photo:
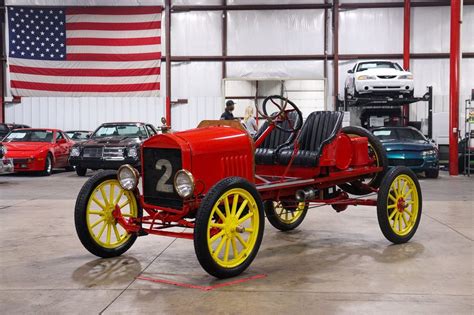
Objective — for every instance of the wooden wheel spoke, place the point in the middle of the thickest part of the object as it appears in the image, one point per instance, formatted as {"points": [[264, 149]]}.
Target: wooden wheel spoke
{"points": [[227, 206], [117, 234], [392, 197], [216, 236], [100, 204], [101, 213], [241, 240], [241, 209], [112, 193], [97, 222], [408, 193], [219, 213], [219, 247], [395, 220], [217, 225], [104, 196], [392, 214], [404, 220], [227, 249], [124, 204], [234, 248], [234, 204], [246, 217], [119, 196], [101, 230], [109, 233], [391, 206]]}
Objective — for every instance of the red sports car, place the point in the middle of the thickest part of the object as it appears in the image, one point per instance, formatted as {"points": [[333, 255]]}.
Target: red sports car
{"points": [[38, 149]]}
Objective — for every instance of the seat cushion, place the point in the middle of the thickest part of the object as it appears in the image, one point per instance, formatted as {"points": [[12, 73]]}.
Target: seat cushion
{"points": [[319, 128], [266, 152]]}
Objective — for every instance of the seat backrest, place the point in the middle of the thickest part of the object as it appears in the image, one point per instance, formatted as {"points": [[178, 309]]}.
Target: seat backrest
{"points": [[318, 129], [278, 137]]}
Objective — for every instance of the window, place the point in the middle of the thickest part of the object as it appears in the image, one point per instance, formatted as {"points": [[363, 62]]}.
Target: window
{"points": [[120, 131], [378, 65], [151, 131], [59, 136], [385, 134], [410, 135], [29, 136]]}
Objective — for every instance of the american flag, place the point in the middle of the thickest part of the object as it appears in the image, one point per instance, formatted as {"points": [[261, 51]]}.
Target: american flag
{"points": [[86, 51]]}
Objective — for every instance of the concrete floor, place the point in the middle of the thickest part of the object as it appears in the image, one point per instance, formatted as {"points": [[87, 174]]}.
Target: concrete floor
{"points": [[334, 263]]}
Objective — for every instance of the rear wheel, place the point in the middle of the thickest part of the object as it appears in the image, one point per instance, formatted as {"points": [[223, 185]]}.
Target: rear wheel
{"points": [[81, 171], [96, 227], [229, 227], [377, 153], [399, 205], [285, 216]]}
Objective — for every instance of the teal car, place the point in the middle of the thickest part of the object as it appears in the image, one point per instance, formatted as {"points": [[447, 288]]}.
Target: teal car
{"points": [[409, 147]]}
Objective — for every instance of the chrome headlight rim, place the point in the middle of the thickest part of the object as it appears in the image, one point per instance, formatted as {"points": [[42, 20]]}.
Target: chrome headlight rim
{"points": [[135, 177], [75, 149], [191, 179]]}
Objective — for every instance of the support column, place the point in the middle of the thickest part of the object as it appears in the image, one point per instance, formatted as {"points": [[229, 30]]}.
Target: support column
{"points": [[168, 60], [454, 61], [406, 53], [335, 64], [3, 84]]}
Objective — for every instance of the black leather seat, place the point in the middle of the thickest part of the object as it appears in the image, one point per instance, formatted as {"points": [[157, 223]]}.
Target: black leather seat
{"points": [[319, 128], [266, 152]]}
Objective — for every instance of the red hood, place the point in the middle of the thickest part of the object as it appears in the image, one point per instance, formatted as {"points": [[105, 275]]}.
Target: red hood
{"points": [[21, 147]]}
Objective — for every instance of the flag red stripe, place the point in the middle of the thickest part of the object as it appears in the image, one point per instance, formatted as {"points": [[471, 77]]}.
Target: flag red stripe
{"points": [[113, 57], [114, 41], [135, 26], [85, 87], [85, 72], [114, 10]]}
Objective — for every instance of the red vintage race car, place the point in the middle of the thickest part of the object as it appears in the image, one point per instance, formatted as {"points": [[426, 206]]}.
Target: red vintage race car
{"points": [[218, 182], [38, 150]]}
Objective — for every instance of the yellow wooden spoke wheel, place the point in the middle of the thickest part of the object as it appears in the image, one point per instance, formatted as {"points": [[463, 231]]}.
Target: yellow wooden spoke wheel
{"points": [[285, 215], [399, 205], [229, 227], [96, 226]]}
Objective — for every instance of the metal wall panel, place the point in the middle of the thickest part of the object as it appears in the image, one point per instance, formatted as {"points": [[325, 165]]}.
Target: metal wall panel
{"points": [[83, 113], [186, 116]]}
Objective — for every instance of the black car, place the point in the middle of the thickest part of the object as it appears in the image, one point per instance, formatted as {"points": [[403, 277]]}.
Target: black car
{"points": [[110, 146], [78, 135], [6, 128]]}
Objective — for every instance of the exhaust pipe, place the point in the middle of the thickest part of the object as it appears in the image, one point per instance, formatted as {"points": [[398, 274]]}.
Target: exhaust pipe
{"points": [[305, 194]]}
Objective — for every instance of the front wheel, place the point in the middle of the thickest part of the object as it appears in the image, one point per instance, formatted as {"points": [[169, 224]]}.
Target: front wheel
{"points": [[96, 226], [48, 166], [433, 173], [284, 215], [229, 227], [399, 205], [81, 171]]}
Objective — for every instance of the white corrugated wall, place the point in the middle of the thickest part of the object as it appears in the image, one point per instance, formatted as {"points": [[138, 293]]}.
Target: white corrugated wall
{"points": [[267, 32]]}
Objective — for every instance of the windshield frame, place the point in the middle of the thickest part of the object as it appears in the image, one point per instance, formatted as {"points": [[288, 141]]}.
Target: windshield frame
{"points": [[396, 132], [395, 65]]}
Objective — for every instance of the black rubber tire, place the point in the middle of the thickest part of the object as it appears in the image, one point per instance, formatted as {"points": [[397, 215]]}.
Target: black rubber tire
{"points": [[48, 166], [382, 214], [80, 171], [81, 223], [432, 173], [202, 218], [276, 222], [352, 188], [69, 168]]}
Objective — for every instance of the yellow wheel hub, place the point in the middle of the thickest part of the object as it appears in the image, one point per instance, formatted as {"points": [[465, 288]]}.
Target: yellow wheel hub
{"points": [[102, 226], [233, 228], [403, 201], [288, 216]]}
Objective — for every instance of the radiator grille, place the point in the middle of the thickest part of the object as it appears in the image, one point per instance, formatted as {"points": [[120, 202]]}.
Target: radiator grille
{"points": [[386, 76], [155, 170], [92, 152], [113, 153], [405, 162]]}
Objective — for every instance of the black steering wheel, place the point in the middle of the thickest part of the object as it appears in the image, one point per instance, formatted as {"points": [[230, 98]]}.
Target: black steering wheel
{"points": [[282, 114]]}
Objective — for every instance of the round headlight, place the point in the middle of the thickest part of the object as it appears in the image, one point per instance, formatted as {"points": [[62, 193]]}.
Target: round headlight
{"points": [[184, 183], [75, 151], [132, 152], [127, 177]]}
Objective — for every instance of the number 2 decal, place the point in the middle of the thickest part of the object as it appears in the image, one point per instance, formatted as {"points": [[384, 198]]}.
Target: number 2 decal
{"points": [[162, 185]]}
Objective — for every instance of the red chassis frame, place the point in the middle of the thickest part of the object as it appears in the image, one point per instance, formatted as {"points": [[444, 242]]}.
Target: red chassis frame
{"points": [[333, 169]]}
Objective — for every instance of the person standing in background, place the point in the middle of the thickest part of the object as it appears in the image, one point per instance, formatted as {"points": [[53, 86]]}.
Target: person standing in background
{"points": [[229, 108], [249, 121]]}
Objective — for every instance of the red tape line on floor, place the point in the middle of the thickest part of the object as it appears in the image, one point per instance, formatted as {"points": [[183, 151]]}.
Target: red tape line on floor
{"points": [[202, 287]]}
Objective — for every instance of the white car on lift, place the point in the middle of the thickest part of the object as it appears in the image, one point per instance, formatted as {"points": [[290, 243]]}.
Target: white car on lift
{"points": [[378, 77]]}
